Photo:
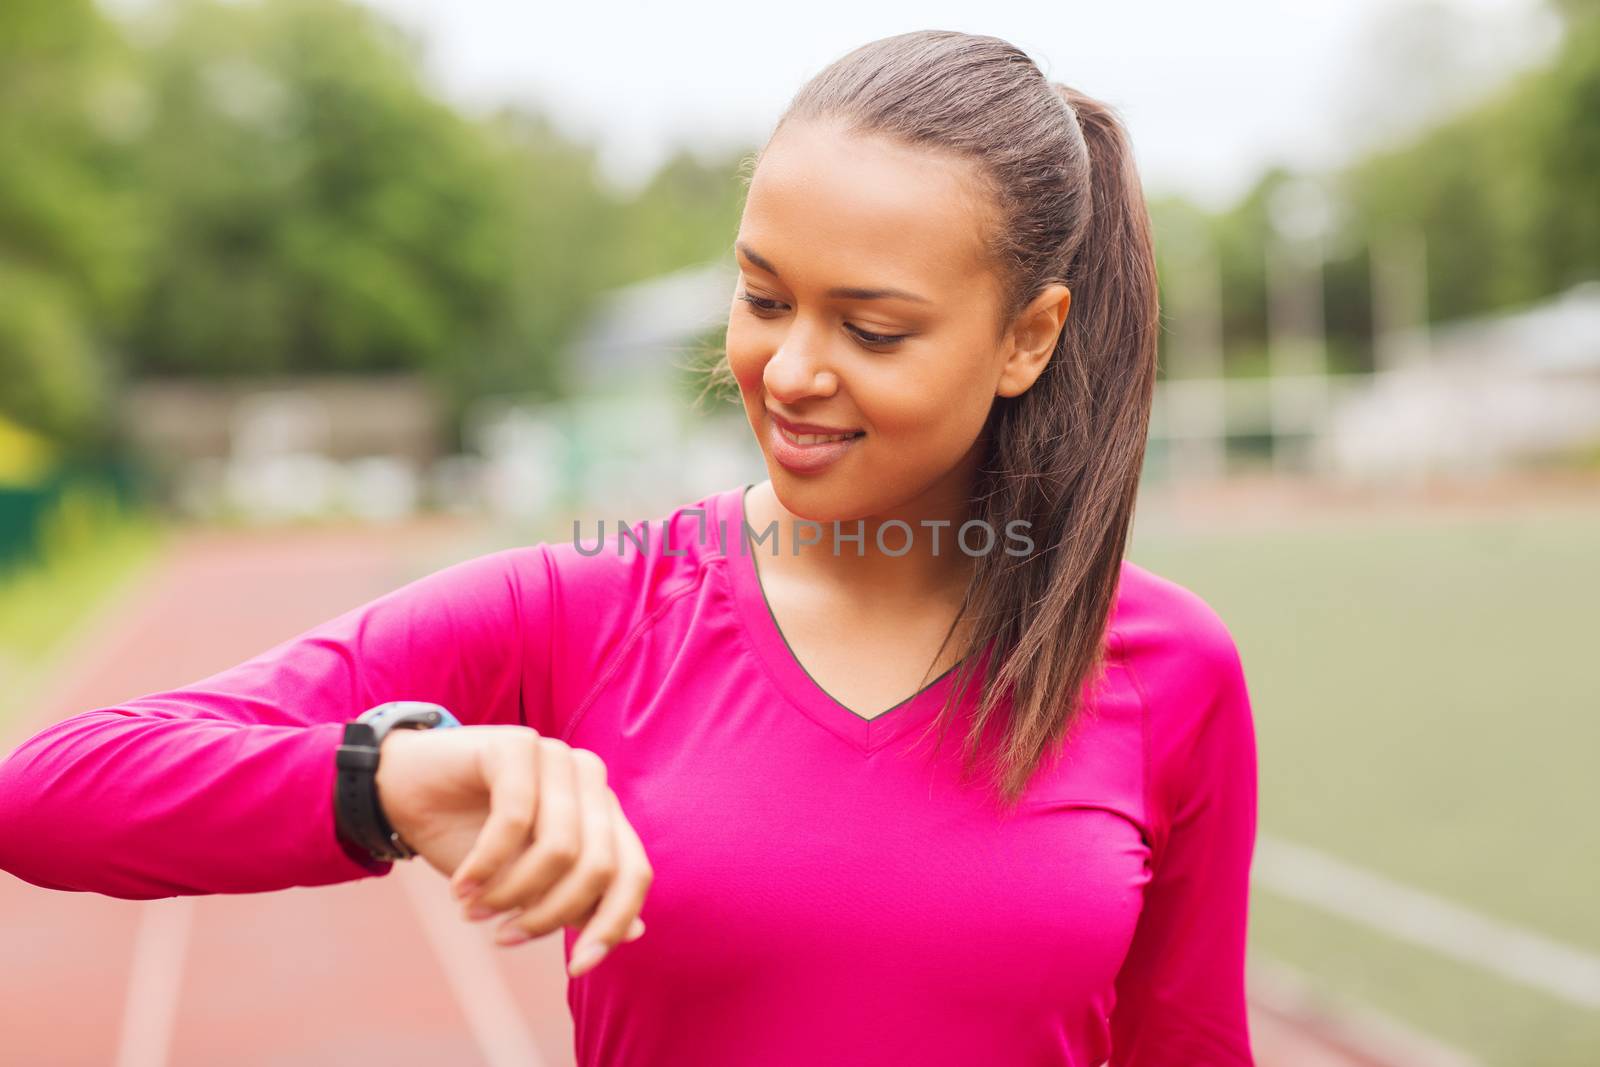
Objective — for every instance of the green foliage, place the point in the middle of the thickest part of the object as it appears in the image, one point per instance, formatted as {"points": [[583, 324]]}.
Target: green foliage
{"points": [[319, 210], [265, 187], [53, 374], [69, 234], [690, 208], [1503, 194], [1505, 191]]}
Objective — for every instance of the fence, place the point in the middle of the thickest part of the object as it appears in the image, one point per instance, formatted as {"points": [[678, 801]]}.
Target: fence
{"points": [[27, 511]]}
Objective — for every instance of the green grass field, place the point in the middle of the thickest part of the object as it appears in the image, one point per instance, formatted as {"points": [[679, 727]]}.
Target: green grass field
{"points": [[1427, 701], [94, 552]]}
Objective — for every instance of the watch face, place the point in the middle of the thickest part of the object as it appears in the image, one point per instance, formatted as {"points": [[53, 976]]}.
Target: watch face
{"points": [[406, 714]]}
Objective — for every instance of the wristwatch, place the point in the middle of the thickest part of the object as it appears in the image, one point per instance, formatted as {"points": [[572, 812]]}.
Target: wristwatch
{"points": [[358, 814]]}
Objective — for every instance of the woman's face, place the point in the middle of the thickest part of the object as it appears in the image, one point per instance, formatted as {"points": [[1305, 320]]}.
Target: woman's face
{"points": [[865, 306]]}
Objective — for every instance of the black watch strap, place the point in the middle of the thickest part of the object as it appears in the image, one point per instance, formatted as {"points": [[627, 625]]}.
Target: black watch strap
{"points": [[358, 812]]}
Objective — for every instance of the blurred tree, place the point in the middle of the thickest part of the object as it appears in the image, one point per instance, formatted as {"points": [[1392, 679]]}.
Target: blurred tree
{"points": [[317, 210], [686, 213], [268, 187], [1504, 191], [69, 229], [552, 206]]}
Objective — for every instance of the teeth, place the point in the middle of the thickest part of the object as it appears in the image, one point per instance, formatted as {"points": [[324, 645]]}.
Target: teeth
{"points": [[815, 438]]}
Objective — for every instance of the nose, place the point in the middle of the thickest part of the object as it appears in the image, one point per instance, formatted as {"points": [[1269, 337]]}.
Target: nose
{"points": [[796, 371]]}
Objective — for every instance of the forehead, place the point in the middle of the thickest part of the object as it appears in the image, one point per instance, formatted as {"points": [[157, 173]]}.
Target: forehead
{"points": [[828, 207]]}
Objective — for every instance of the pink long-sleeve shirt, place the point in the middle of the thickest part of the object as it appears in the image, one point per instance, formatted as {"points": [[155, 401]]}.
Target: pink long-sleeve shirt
{"points": [[825, 892]]}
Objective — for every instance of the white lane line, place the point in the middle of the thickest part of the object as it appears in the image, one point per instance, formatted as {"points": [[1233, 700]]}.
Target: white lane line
{"points": [[155, 976], [1433, 922], [496, 1022]]}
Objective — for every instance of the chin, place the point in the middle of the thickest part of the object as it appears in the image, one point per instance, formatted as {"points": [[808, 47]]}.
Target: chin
{"points": [[824, 499]]}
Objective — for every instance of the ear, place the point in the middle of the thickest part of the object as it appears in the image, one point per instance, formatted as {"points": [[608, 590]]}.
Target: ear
{"points": [[1032, 340]]}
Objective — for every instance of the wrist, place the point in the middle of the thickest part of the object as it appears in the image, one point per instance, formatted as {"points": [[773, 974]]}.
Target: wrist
{"points": [[359, 816], [388, 781], [360, 825]]}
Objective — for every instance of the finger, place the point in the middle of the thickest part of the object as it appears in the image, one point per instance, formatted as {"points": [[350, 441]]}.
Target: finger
{"points": [[511, 770], [616, 918], [635, 928], [557, 835], [582, 885]]}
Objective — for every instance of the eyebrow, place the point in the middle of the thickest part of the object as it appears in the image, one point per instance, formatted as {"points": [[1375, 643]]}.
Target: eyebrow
{"points": [[838, 292]]}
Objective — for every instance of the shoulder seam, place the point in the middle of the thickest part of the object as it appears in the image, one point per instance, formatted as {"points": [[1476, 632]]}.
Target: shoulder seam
{"points": [[1153, 813], [549, 639]]}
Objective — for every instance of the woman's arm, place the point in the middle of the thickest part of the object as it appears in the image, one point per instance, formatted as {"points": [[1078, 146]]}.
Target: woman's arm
{"points": [[1180, 993], [225, 785]]}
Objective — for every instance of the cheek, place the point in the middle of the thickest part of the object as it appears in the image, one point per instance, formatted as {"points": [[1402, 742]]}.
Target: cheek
{"points": [[746, 358], [923, 400]]}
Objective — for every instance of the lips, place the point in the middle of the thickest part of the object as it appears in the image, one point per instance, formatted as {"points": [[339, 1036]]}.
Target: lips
{"points": [[806, 458], [811, 427], [806, 440]]}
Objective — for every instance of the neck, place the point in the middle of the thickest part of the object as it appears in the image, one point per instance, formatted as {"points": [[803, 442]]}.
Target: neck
{"points": [[924, 560]]}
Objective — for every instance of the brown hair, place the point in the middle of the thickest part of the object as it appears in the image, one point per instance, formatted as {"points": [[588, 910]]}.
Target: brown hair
{"points": [[1066, 454]]}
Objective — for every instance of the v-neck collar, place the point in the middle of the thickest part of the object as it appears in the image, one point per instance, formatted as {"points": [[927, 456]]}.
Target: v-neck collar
{"points": [[789, 674]]}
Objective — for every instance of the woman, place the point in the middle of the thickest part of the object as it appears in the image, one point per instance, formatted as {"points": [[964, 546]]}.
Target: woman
{"points": [[945, 324]]}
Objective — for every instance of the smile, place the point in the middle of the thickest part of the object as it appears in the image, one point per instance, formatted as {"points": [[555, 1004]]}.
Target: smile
{"points": [[815, 438], [808, 453]]}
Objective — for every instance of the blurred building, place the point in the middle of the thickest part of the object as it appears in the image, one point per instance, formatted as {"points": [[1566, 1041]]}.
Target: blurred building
{"points": [[640, 445], [629, 443], [1493, 392], [290, 447], [637, 334]]}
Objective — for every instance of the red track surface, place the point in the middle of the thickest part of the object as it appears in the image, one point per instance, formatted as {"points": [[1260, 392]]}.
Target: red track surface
{"points": [[382, 970]]}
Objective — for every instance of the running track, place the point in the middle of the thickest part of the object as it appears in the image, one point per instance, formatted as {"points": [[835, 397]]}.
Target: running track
{"points": [[380, 969]]}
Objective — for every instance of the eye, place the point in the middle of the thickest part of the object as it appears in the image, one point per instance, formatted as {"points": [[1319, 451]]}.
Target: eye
{"points": [[875, 338], [764, 307], [759, 303]]}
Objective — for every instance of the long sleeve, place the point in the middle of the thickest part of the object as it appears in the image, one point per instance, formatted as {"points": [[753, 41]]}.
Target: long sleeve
{"points": [[1180, 992], [225, 785]]}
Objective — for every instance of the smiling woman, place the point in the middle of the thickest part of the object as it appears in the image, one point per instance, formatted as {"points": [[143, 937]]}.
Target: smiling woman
{"points": [[944, 327], [904, 341], [946, 314]]}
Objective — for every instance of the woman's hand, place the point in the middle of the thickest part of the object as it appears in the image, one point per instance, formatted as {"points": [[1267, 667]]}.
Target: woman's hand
{"points": [[519, 823]]}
